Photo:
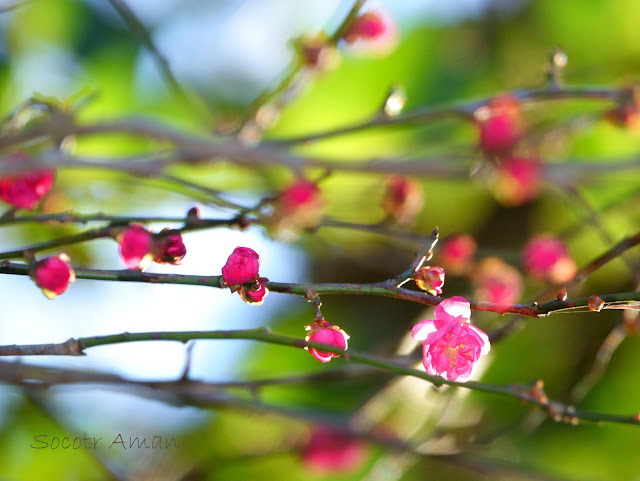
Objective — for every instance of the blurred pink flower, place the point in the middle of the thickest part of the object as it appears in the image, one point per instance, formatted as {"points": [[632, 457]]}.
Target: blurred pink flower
{"points": [[53, 275], [25, 189], [517, 180], [242, 267], [452, 345], [373, 31], [497, 282], [457, 252], [500, 124], [403, 199], [298, 207], [330, 450], [324, 332], [430, 279], [547, 258]]}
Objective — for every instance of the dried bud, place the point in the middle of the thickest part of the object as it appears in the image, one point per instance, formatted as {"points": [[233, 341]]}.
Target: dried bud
{"points": [[595, 303], [25, 189], [53, 275], [324, 332], [562, 294], [430, 279], [403, 199]]}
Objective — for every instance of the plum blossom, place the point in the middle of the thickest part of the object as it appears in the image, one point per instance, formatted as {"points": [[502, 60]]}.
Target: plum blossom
{"points": [[452, 345], [372, 32], [135, 246], [330, 450], [324, 332], [457, 252], [298, 207], [517, 180], [25, 189], [500, 124], [168, 247], [242, 267], [254, 294], [497, 282], [430, 279], [402, 200], [547, 258], [53, 275]]}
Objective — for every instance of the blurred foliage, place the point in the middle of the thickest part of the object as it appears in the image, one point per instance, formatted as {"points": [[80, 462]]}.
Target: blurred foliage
{"points": [[438, 64]]}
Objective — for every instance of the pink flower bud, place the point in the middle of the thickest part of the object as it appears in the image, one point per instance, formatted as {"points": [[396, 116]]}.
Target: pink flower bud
{"points": [[457, 252], [330, 450], [517, 180], [135, 247], [326, 333], [547, 258], [500, 124], [242, 267], [627, 113], [53, 275], [298, 207], [452, 346], [403, 199], [255, 294], [168, 247], [373, 31], [25, 189], [430, 279], [497, 282]]}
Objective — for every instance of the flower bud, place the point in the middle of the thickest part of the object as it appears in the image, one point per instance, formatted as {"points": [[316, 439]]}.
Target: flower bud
{"points": [[53, 275], [547, 258], [298, 207], [255, 294], [517, 180], [430, 279], [326, 333], [25, 189], [330, 450], [456, 253], [372, 31], [497, 282], [500, 124], [242, 267], [403, 199], [135, 246], [595, 303], [167, 247]]}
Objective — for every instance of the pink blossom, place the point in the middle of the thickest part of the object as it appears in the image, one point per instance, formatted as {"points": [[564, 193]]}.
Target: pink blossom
{"points": [[53, 275], [373, 31], [518, 180], [430, 279], [25, 189], [242, 267], [168, 247], [255, 294], [403, 199], [457, 253], [497, 282], [298, 207], [500, 124], [452, 345], [135, 247], [324, 332], [547, 258], [330, 450]]}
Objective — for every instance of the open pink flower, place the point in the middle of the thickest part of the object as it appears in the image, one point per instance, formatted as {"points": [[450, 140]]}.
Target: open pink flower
{"points": [[168, 247], [330, 450], [547, 258], [430, 279], [25, 189], [501, 125], [53, 275], [452, 345], [135, 246], [324, 332], [242, 267], [457, 252]]}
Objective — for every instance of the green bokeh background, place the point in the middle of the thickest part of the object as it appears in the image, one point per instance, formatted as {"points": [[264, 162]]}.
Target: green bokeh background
{"points": [[437, 63]]}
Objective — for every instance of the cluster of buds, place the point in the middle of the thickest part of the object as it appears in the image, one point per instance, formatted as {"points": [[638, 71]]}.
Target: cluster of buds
{"points": [[25, 189], [139, 247], [402, 200], [297, 208], [52, 274], [241, 274], [323, 332]]}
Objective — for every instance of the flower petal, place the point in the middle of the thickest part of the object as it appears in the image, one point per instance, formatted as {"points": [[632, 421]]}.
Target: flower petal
{"points": [[453, 308], [421, 330], [485, 339]]}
